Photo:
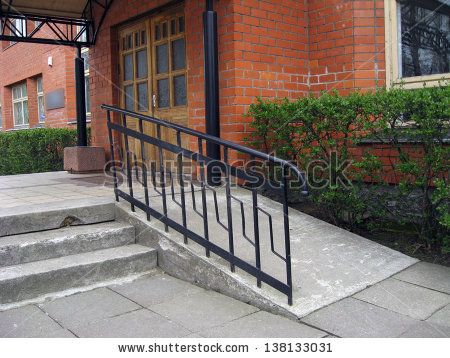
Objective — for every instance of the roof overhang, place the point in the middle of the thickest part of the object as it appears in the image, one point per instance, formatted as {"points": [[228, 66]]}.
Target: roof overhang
{"points": [[68, 22]]}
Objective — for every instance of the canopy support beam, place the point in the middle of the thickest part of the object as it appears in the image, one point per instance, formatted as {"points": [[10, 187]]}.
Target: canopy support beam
{"points": [[212, 114]]}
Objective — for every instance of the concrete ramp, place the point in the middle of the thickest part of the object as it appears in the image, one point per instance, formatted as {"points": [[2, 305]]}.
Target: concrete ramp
{"points": [[328, 263]]}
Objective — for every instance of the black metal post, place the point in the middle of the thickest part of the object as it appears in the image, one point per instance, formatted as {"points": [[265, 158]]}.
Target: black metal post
{"points": [[211, 87], [80, 100]]}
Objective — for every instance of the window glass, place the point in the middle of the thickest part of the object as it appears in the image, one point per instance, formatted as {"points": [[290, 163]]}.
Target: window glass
{"points": [[129, 98], [178, 54], [179, 90], [162, 59], [40, 99], [128, 67], [141, 58], [87, 94], [163, 93], [424, 30], [20, 105], [142, 97]]}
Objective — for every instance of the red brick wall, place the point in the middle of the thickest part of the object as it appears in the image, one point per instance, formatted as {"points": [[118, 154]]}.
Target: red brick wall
{"points": [[346, 44], [268, 48], [263, 51], [23, 62]]}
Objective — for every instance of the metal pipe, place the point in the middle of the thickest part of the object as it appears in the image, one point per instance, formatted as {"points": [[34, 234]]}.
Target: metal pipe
{"points": [[80, 100], [212, 114]]}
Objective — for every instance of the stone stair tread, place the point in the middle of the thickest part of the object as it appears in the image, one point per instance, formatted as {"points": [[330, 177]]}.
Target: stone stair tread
{"points": [[50, 235], [60, 263], [48, 216], [43, 245]]}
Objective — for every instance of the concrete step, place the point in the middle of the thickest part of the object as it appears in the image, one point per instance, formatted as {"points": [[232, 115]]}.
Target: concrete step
{"points": [[33, 279], [40, 217], [43, 245]]}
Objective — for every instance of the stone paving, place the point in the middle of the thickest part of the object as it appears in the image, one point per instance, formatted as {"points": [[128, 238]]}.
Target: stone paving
{"points": [[159, 305], [413, 303]]}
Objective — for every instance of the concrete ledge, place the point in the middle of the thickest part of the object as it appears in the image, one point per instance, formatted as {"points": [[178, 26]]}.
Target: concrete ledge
{"points": [[84, 159]]}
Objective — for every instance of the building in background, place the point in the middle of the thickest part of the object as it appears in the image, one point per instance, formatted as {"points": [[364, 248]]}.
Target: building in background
{"points": [[37, 84], [149, 57]]}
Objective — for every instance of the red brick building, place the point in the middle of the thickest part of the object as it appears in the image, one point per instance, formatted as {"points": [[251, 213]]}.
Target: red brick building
{"points": [[148, 56], [43, 70]]}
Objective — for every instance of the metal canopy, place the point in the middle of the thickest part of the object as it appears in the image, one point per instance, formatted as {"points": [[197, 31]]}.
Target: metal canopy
{"points": [[56, 22]]}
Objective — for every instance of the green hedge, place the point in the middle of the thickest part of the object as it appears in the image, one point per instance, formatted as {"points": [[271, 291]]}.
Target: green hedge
{"points": [[34, 150], [411, 125]]}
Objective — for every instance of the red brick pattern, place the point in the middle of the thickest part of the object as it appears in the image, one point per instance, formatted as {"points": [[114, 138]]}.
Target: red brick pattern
{"points": [[24, 62], [267, 48]]}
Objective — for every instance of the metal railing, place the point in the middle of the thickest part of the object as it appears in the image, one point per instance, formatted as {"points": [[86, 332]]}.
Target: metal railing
{"points": [[136, 164]]}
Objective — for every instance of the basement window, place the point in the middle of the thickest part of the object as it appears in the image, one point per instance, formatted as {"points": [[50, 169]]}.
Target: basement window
{"points": [[418, 42]]}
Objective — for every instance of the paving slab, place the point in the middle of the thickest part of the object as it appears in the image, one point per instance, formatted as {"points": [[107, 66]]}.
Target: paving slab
{"points": [[262, 325], [354, 318], [441, 317], [429, 275], [151, 290], [86, 307], [425, 329], [405, 298], [328, 263], [29, 322], [203, 310], [137, 324]]}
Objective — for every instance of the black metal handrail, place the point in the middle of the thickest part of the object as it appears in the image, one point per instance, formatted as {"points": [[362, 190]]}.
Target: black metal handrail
{"points": [[227, 170]]}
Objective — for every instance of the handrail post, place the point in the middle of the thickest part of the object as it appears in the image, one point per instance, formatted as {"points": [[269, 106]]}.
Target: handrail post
{"points": [[287, 237], [111, 146]]}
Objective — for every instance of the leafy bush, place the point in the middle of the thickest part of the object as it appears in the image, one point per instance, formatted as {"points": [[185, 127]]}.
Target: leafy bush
{"points": [[34, 150], [337, 140]]}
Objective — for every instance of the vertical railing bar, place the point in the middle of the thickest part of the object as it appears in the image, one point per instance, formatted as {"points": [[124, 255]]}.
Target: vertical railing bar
{"points": [[129, 175], [144, 169], [111, 145], [162, 177], [287, 241], [256, 229], [229, 212], [202, 179], [136, 169], [181, 180]]}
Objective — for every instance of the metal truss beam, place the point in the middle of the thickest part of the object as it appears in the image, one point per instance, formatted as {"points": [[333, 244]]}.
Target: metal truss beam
{"points": [[54, 30]]}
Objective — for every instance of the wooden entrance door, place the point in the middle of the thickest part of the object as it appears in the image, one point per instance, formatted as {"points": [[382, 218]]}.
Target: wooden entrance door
{"points": [[153, 74]]}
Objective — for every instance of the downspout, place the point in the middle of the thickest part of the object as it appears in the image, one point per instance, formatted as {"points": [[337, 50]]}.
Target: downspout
{"points": [[80, 100], [212, 115]]}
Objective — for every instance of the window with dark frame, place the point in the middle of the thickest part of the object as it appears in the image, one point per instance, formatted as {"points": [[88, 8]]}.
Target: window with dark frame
{"points": [[424, 37]]}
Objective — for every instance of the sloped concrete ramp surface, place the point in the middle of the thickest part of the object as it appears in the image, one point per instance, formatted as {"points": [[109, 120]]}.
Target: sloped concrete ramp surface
{"points": [[328, 263]]}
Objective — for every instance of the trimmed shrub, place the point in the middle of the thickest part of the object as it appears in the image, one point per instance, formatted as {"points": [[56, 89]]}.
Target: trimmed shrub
{"points": [[353, 146], [34, 150]]}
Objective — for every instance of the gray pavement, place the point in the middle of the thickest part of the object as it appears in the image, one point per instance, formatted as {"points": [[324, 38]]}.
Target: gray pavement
{"points": [[334, 268], [159, 305], [152, 306]]}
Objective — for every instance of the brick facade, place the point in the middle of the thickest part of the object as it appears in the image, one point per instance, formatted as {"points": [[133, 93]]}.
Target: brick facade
{"points": [[22, 62], [268, 48]]}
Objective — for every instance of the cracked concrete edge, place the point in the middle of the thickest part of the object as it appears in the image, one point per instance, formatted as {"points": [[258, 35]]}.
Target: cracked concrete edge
{"points": [[181, 262]]}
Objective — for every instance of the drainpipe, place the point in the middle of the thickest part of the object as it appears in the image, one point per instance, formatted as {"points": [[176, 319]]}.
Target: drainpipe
{"points": [[80, 100], [212, 116]]}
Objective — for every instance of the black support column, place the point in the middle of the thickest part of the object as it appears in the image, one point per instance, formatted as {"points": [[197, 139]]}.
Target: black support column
{"points": [[211, 85], [80, 100]]}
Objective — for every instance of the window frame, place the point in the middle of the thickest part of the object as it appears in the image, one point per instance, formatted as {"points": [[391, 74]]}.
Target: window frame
{"points": [[40, 95], [85, 50], [392, 49], [21, 100]]}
